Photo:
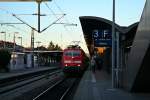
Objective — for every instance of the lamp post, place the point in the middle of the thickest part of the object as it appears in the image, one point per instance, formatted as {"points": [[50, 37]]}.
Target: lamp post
{"points": [[32, 46], [14, 41], [113, 46], [4, 39], [20, 40], [38, 45]]}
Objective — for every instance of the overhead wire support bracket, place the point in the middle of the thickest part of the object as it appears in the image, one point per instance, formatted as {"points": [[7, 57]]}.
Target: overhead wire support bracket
{"points": [[67, 24], [24, 22], [53, 23], [11, 23], [15, 15]]}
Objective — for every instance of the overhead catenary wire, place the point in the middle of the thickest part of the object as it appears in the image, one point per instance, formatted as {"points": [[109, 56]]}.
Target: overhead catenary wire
{"points": [[70, 37], [65, 24], [58, 6], [18, 28], [53, 11], [18, 18], [57, 18], [14, 15], [65, 17], [52, 23], [35, 14], [10, 24], [25, 22], [62, 12]]}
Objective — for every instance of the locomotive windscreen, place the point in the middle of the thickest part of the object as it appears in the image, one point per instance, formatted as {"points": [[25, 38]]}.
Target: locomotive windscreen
{"points": [[72, 53]]}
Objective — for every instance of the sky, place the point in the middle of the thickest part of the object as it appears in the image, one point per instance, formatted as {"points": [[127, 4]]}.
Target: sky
{"points": [[127, 13]]}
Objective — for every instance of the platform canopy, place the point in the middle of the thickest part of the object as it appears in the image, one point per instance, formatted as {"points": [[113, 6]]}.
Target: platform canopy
{"points": [[97, 32]]}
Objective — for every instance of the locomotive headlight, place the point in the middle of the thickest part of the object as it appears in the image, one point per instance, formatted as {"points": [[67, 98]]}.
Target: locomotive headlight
{"points": [[67, 61], [79, 65], [77, 61], [66, 65]]}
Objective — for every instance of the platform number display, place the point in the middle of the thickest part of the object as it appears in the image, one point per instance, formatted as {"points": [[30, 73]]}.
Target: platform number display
{"points": [[101, 37]]}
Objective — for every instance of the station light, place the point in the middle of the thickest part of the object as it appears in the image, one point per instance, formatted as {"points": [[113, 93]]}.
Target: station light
{"points": [[101, 50]]}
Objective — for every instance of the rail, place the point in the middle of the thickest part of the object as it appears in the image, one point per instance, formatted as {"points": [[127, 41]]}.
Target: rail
{"points": [[30, 78], [7, 80], [58, 91]]}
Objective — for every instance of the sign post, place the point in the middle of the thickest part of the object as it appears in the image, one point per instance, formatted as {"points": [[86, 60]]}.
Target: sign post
{"points": [[113, 46]]}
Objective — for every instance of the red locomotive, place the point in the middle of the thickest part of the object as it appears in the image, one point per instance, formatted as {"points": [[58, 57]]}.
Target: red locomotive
{"points": [[74, 59]]}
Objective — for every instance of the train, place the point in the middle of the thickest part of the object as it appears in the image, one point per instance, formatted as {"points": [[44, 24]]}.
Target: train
{"points": [[74, 59]]}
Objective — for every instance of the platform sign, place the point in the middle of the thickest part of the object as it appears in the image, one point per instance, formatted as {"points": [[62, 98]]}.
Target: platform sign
{"points": [[102, 38]]}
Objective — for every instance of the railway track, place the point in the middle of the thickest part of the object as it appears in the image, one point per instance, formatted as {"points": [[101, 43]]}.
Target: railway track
{"points": [[8, 91], [59, 90], [24, 76]]}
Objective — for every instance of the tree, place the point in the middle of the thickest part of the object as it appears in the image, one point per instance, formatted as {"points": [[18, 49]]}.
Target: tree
{"points": [[51, 46], [41, 48], [5, 57], [57, 47]]}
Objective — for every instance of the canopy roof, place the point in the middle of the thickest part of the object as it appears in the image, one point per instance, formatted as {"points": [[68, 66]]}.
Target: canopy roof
{"points": [[90, 23]]}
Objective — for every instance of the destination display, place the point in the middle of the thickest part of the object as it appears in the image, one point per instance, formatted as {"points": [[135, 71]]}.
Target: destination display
{"points": [[102, 38]]}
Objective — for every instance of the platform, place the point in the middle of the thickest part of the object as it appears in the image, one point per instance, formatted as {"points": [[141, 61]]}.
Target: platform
{"points": [[97, 86]]}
